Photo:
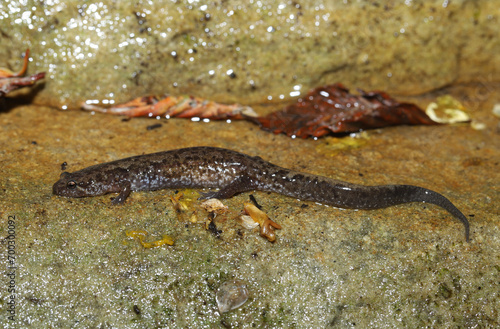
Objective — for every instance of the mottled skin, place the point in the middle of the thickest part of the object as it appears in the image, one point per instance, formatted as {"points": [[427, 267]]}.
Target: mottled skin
{"points": [[233, 172]]}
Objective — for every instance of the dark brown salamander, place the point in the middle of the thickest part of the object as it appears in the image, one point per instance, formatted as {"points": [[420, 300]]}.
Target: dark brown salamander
{"points": [[233, 172]]}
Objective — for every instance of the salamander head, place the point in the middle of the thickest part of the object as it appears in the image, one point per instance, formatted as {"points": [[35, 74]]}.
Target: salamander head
{"points": [[77, 185]]}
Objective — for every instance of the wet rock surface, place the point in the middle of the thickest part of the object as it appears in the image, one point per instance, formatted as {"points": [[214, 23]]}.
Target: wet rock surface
{"points": [[248, 52], [402, 266]]}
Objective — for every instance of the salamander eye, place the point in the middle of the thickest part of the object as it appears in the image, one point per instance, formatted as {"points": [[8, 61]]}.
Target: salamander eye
{"points": [[71, 184]]}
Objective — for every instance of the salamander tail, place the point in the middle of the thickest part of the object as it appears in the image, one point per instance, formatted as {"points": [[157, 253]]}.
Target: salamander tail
{"points": [[420, 194]]}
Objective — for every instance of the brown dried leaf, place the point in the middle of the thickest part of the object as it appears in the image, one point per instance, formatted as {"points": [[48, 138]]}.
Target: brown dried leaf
{"points": [[332, 109], [10, 81], [10, 84]]}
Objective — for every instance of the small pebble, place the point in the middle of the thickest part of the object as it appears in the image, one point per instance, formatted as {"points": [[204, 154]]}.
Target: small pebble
{"points": [[230, 295], [496, 110], [478, 125]]}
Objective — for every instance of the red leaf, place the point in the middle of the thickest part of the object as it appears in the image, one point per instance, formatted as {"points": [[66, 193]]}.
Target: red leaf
{"points": [[332, 109]]}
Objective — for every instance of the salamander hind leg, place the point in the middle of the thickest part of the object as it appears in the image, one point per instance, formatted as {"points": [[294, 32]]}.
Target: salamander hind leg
{"points": [[241, 184]]}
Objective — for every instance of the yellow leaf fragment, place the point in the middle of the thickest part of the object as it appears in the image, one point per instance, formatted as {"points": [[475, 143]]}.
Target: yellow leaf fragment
{"points": [[193, 219], [447, 109], [140, 235], [335, 145], [179, 205], [266, 224]]}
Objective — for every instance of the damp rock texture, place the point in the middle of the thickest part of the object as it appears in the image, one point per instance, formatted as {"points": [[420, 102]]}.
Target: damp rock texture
{"points": [[406, 266], [69, 262], [247, 51]]}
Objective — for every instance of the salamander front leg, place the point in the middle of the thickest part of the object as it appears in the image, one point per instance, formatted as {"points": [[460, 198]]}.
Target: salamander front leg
{"points": [[241, 184], [124, 193]]}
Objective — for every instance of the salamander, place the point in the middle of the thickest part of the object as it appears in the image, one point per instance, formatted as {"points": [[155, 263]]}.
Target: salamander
{"points": [[233, 172]]}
